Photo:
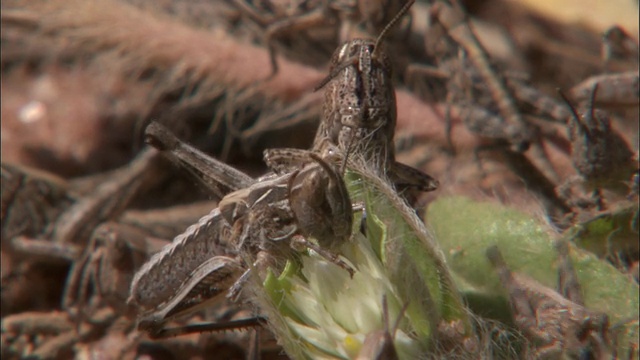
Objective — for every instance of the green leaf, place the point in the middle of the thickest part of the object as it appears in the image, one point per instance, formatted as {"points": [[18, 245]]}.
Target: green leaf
{"points": [[412, 257], [323, 313], [467, 228]]}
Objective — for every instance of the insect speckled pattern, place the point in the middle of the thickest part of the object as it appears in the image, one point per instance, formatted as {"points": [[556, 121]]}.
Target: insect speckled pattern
{"points": [[359, 109], [258, 223]]}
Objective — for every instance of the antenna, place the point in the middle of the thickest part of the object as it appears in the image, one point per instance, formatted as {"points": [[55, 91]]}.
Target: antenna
{"points": [[576, 115], [592, 101], [354, 60], [391, 23]]}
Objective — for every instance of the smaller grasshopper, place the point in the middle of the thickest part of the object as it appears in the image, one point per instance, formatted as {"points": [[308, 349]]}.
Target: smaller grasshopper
{"points": [[31, 200], [455, 21], [50, 221], [599, 154], [109, 262], [72, 222], [556, 322], [359, 109]]}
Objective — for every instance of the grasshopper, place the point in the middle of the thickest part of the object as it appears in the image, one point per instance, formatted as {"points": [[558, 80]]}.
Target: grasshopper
{"points": [[359, 110], [498, 105], [115, 251], [489, 101], [49, 221], [599, 154], [251, 228], [556, 322], [31, 200], [75, 222], [454, 20], [277, 211]]}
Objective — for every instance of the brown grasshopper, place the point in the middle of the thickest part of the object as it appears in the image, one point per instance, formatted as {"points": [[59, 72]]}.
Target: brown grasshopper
{"points": [[101, 272], [490, 101], [31, 200], [359, 110], [107, 200], [493, 103], [454, 19], [279, 207], [253, 224], [48, 222], [556, 322], [451, 34], [168, 277], [599, 154], [108, 264]]}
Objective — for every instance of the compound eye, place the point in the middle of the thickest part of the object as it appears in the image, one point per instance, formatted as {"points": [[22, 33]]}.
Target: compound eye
{"points": [[370, 48]]}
